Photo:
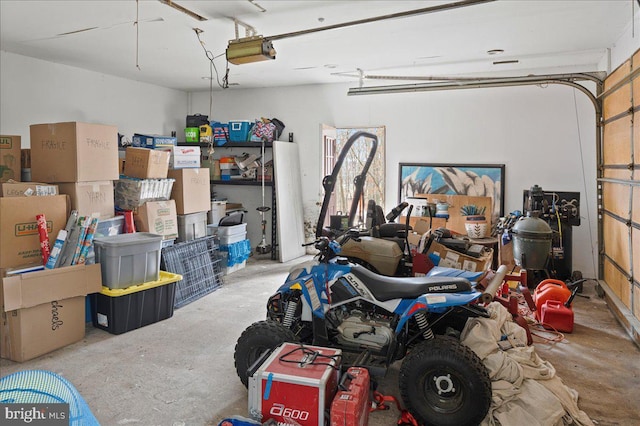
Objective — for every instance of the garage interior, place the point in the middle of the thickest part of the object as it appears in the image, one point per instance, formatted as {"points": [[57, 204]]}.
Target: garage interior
{"points": [[549, 90]]}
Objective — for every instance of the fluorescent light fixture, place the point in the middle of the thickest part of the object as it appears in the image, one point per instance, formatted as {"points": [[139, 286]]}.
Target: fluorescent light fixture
{"points": [[183, 9], [250, 49]]}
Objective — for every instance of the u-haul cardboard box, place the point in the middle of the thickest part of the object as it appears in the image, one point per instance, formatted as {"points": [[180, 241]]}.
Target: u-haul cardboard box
{"points": [[10, 154], [44, 310], [27, 189], [19, 238]]}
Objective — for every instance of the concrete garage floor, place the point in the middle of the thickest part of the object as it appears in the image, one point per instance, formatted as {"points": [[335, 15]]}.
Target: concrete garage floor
{"points": [[180, 371]]}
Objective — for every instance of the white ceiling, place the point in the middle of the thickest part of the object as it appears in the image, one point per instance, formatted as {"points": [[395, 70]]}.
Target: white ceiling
{"points": [[545, 36]]}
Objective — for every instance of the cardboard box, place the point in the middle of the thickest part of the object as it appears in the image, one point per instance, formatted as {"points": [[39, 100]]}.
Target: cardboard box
{"points": [[191, 190], [146, 163], [27, 189], [74, 152], [45, 310], [19, 239], [10, 158], [153, 141], [91, 197], [158, 217], [184, 157], [453, 259]]}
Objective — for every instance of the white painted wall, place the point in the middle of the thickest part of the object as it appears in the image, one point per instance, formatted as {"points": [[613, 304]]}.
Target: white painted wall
{"points": [[626, 45], [35, 91], [538, 133]]}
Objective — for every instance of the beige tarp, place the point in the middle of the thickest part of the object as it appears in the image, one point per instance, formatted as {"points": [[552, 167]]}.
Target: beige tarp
{"points": [[525, 388]]}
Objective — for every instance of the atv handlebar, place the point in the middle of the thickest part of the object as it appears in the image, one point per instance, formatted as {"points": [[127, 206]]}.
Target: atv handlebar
{"points": [[328, 248]]}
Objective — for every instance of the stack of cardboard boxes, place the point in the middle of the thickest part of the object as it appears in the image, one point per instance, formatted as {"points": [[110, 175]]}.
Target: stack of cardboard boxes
{"points": [[183, 212], [45, 310], [146, 190], [74, 166], [66, 153]]}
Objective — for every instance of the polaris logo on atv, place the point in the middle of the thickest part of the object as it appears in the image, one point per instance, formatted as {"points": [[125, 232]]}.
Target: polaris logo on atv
{"points": [[443, 287]]}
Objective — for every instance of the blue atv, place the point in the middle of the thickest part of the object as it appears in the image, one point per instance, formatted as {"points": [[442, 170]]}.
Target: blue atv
{"points": [[377, 320]]}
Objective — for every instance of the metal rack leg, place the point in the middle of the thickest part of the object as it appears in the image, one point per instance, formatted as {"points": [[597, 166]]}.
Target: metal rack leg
{"points": [[274, 225]]}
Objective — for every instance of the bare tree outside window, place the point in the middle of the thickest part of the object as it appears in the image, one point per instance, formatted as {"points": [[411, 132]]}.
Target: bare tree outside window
{"points": [[352, 166]]}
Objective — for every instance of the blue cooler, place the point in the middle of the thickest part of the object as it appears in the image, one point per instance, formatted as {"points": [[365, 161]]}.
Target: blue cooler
{"points": [[239, 130]]}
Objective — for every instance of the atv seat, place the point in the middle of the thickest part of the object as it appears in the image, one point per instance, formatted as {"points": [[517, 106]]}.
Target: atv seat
{"points": [[386, 288]]}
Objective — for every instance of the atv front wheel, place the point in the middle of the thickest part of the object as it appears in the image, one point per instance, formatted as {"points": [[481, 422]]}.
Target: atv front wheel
{"points": [[259, 338], [444, 383]]}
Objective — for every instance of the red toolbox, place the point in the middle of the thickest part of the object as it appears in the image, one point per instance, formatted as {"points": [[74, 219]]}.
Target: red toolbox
{"points": [[351, 405], [295, 385]]}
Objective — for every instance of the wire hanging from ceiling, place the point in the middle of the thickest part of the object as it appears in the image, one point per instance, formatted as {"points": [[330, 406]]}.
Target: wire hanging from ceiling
{"points": [[584, 182], [212, 67], [137, 34]]}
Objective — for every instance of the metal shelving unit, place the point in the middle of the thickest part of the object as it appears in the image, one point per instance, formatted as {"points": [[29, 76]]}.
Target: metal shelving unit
{"points": [[240, 182]]}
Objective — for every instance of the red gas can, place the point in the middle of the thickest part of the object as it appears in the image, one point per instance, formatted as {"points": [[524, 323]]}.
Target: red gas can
{"points": [[550, 289], [351, 405], [554, 315]]}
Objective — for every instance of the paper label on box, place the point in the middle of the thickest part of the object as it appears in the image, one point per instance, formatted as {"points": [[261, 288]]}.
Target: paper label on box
{"points": [[448, 263], [468, 265], [42, 190], [453, 257]]}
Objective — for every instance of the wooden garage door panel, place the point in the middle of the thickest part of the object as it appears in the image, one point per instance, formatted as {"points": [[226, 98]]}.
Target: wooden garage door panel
{"points": [[617, 174], [635, 216], [616, 242], [636, 91], [615, 198], [635, 238], [617, 281], [636, 136], [617, 141], [636, 302], [621, 72], [617, 102], [636, 60]]}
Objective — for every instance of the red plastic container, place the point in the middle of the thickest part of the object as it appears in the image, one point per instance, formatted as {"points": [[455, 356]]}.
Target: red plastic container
{"points": [[554, 315], [550, 290], [351, 405]]}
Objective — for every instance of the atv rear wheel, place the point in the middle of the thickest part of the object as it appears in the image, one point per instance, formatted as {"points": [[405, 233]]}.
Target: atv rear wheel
{"points": [[257, 339], [444, 383]]}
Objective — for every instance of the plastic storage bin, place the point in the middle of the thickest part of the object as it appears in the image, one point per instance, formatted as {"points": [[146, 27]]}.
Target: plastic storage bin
{"points": [[120, 310], [192, 226], [128, 259], [239, 130], [217, 212], [225, 231], [232, 234]]}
